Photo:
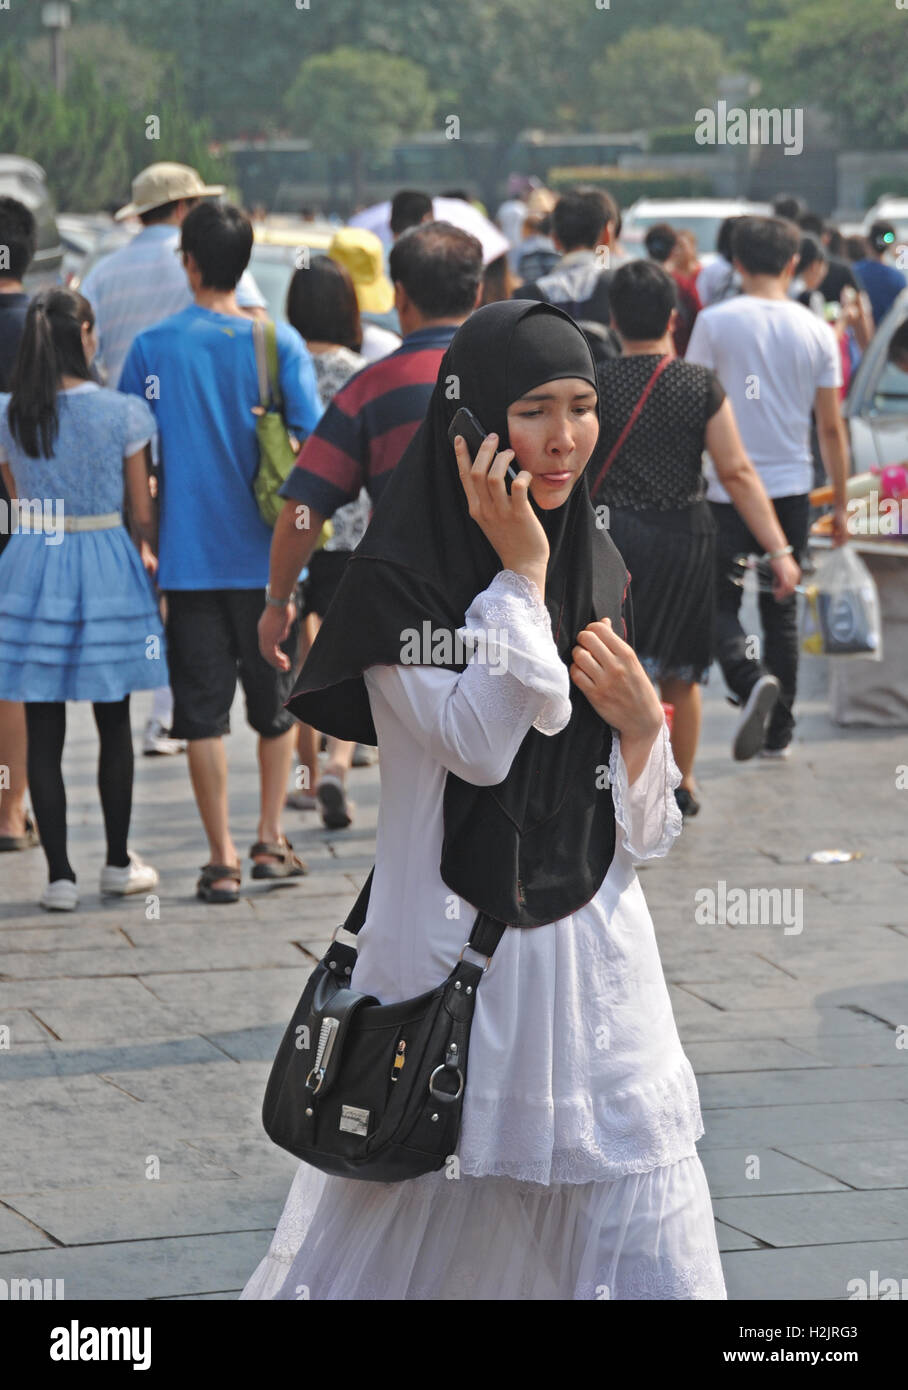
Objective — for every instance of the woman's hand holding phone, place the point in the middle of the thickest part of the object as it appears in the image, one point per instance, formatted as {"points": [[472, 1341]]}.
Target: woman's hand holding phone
{"points": [[506, 519]]}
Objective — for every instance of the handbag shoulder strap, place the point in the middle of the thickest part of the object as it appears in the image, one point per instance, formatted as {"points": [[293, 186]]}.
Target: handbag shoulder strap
{"points": [[484, 938], [631, 421], [264, 337]]}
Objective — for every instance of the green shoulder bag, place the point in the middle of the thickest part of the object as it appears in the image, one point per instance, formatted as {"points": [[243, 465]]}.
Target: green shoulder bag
{"points": [[276, 453]]}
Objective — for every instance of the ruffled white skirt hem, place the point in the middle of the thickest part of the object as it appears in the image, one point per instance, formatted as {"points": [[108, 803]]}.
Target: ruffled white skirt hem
{"points": [[451, 1237]]}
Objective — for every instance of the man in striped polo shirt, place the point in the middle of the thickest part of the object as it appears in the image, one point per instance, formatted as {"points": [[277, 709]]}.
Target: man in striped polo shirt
{"points": [[436, 269]]}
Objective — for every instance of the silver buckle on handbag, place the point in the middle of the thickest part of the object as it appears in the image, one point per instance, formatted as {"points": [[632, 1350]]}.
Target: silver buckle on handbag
{"points": [[452, 1058], [467, 947]]}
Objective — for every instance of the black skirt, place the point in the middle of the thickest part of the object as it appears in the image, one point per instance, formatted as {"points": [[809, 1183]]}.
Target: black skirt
{"points": [[671, 559]]}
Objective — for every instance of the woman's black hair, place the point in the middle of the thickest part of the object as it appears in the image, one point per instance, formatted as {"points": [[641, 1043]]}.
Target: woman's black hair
{"points": [[811, 251], [321, 304], [50, 348]]}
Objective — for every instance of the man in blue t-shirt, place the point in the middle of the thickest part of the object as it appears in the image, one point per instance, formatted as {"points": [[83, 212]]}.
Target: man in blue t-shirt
{"points": [[197, 370], [881, 283]]}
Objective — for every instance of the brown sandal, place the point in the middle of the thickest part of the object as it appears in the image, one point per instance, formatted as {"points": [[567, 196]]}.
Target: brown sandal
{"points": [[289, 865], [211, 874]]}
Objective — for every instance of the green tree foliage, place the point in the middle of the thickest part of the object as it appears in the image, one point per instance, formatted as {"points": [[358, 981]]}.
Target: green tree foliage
{"points": [[357, 102], [91, 143], [658, 77], [844, 57]]}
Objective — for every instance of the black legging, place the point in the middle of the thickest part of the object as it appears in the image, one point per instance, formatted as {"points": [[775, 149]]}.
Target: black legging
{"points": [[46, 725]]}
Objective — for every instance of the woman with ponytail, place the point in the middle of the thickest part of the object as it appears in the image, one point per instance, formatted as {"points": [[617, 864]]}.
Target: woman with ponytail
{"points": [[78, 616]]}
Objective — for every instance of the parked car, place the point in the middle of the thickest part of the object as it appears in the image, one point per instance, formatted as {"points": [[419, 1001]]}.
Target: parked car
{"points": [[274, 260], [702, 216], [876, 407], [25, 180]]}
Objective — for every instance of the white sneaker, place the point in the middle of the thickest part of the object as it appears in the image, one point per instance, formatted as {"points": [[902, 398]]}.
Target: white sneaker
{"points": [[158, 743], [751, 728], [136, 877], [60, 896], [776, 754]]}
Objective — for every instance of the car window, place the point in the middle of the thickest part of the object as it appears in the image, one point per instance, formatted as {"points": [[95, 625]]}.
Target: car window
{"points": [[890, 396]]}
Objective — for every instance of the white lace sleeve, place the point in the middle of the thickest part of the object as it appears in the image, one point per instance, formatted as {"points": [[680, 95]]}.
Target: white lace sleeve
{"points": [[473, 722], [510, 630], [647, 812]]}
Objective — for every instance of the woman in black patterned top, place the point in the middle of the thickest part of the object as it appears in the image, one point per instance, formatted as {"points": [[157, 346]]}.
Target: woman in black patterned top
{"points": [[654, 492]]}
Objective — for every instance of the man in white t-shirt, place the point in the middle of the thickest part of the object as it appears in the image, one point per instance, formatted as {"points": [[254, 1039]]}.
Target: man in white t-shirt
{"points": [[777, 363]]}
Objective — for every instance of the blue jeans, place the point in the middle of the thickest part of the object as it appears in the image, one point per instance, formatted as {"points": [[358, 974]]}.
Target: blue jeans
{"points": [[778, 620]]}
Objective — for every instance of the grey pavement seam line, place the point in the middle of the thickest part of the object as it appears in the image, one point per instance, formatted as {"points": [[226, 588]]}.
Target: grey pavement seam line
{"points": [[34, 1225], [149, 1240]]}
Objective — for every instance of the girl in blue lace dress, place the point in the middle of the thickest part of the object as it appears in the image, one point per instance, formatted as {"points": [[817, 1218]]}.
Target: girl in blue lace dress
{"points": [[78, 615]]}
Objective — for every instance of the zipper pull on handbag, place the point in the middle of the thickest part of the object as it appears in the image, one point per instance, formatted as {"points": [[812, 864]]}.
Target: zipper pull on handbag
{"points": [[399, 1059], [326, 1038]]}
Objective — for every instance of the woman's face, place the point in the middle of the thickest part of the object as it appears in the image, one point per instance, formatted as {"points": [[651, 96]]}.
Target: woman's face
{"points": [[553, 430]]}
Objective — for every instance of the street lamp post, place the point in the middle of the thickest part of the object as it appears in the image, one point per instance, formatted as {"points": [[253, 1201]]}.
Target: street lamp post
{"points": [[55, 17]]}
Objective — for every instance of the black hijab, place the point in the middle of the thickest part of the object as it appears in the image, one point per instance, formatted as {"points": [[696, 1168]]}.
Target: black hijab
{"points": [[537, 846]]}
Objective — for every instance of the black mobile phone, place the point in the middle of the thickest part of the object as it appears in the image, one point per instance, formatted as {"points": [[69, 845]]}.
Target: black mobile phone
{"points": [[466, 424]]}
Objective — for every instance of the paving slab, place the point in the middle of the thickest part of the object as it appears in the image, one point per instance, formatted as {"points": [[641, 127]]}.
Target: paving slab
{"points": [[18, 1233], [819, 1218], [735, 1173], [813, 1272], [149, 1209], [783, 1125], [810, 1086], [869, 1162], [170, 1267], [752, 1054]]}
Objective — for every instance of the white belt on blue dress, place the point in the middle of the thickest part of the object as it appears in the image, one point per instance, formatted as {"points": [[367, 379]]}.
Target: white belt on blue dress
{"points": [[103, 522]]}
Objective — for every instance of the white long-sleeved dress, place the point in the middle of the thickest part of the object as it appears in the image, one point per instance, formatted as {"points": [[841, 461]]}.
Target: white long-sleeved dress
{"points": [[577, 1174]]}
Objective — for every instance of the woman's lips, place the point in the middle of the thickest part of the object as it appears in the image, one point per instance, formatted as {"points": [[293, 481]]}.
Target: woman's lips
{"points": [[555, 479]]}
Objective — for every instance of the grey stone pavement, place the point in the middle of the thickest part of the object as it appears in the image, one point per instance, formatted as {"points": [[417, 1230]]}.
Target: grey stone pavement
{"points": [[141, 1044]]}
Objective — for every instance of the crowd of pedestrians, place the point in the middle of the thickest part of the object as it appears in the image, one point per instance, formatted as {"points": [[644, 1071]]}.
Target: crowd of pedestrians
{"points": [[167, 322], [584, 531]]}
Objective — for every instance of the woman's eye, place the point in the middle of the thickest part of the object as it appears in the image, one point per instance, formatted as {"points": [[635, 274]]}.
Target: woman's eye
{"points": [[529, 414]]}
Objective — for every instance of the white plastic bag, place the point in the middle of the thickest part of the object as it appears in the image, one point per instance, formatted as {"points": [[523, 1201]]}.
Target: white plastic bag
{"points": [[842, 617]]}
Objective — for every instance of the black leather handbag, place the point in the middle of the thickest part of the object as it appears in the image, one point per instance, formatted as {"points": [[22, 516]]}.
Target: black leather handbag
{"points": [[366, 1090]]}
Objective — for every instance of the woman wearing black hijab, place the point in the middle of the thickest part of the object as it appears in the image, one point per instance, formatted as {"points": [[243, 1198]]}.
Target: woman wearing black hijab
{"points": [[479, 637]]}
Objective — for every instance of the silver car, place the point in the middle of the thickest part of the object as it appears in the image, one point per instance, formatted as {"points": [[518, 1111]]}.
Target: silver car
{"points": [[877, 403]]}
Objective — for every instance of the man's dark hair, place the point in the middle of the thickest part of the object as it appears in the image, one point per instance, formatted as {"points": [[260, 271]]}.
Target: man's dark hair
{"points": [[440, 267], [408, 208], [765, 245], [219, 237], [811, 251], [579, 217], [898, 345], [856, 248], [19, 234], [882, 237], [321, 304], [165, 210], [660, 241], [810, 222], [641, 298], [725, 235], [789, 206]]}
